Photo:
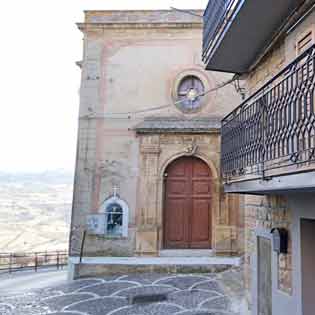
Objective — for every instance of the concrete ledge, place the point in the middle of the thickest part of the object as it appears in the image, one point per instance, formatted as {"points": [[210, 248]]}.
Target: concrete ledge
{"points": [[101, 266], [232, 261], [300, 182]]}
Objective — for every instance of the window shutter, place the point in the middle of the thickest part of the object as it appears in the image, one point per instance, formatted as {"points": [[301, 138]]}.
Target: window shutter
{"points": [[305, 41]]}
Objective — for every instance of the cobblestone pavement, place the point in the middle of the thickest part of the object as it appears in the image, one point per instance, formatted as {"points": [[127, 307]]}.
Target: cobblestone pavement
{"points": [[185, 295]]}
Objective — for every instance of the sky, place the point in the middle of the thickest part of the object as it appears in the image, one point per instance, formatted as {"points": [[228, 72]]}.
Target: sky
{"points": [[39, 81]]}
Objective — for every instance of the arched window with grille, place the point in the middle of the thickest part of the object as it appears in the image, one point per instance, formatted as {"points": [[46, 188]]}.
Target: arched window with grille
{"points": [[116, 213]]}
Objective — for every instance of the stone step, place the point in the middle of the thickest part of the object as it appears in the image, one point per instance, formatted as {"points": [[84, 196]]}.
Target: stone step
{"points": [[186, 253], [101, 266]]}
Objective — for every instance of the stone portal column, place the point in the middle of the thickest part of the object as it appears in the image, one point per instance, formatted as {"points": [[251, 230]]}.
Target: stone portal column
{"points": [[146, 212], [229, 231]]}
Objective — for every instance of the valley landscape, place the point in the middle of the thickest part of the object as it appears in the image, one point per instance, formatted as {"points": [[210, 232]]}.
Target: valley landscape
{"points": [[35, 211]]}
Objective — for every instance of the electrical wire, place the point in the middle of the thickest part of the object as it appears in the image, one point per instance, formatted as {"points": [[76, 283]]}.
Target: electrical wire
{"points": [[112, 115], [187, 12]]}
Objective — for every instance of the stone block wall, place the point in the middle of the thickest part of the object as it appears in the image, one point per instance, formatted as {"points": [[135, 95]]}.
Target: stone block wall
{"points": [[269, 66], [266, 213]]}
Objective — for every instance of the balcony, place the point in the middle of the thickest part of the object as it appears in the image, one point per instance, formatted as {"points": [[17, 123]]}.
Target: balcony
{"points": [[237, 31], [271, 135]]}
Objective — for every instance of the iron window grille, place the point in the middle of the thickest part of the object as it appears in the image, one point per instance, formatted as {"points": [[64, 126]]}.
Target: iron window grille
{"points": [[189, 93], [114, 220]]}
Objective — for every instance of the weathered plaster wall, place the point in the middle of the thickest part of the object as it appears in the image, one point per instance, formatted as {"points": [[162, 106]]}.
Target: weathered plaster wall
{"points": [[132, 61]]}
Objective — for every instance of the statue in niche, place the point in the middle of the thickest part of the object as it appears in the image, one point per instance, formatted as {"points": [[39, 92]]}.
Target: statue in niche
{"points": [[115, 210], [114, 219]]}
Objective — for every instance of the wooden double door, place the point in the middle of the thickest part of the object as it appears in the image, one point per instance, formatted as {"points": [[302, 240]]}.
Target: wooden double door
{"points": [[187, 205]]}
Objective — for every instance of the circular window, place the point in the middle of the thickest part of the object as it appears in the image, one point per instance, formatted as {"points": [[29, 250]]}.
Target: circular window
{"points": [[189, 93]]}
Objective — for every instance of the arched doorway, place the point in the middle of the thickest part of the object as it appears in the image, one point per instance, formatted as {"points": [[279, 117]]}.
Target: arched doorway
{"points": [[187, 204]]}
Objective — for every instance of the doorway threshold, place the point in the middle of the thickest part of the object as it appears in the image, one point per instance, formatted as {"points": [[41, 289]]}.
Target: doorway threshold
{"points": [[186, 253]]}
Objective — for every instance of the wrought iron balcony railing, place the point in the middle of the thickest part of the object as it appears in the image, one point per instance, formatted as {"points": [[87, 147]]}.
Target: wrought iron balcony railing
{"points": [[275, 127], [217, 18]]}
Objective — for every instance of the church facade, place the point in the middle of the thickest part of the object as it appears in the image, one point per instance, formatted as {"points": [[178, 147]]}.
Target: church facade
{"points": [[147, 176]]}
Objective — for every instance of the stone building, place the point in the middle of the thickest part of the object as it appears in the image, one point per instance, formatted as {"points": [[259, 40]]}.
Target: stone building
{"points": [[268, 143], [147, 173]]}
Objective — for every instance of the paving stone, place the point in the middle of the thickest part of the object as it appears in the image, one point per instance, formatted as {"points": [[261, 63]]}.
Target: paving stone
{"points": [[6, 309], [182, 282], [190, 298], [59, 302], [186, 295], [24, 304], [27, 310], [202, 312], [113, 277], [47, 292], [219, 303], [109, 288], [234, 281], [209, 286], [76, 285], [144, 278], [145, 290], [18, 299], [99, 306], [148, 309]]}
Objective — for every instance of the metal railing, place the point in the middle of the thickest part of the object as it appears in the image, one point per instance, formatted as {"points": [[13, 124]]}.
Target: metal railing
{"points": [[275, 127], [12, 262], [217, 18]]}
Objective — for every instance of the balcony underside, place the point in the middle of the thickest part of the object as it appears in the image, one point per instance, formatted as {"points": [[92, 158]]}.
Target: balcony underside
{"points": [[248, 33], [292, 183]]}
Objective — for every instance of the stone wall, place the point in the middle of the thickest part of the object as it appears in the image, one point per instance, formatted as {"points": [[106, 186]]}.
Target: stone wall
{"points": [[269, 66], [266, 213]]}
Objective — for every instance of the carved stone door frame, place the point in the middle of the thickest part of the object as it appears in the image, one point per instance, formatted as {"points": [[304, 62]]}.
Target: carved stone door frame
{"points": [[187, 208]]}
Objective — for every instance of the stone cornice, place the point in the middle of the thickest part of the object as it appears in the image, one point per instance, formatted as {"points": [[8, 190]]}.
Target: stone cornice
{"points": [[178, 131], [101, 26], [164, 125]]}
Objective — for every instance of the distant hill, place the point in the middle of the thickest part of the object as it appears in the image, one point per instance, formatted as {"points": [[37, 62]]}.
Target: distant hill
{"points": [[47, 177], [35, 210]]}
